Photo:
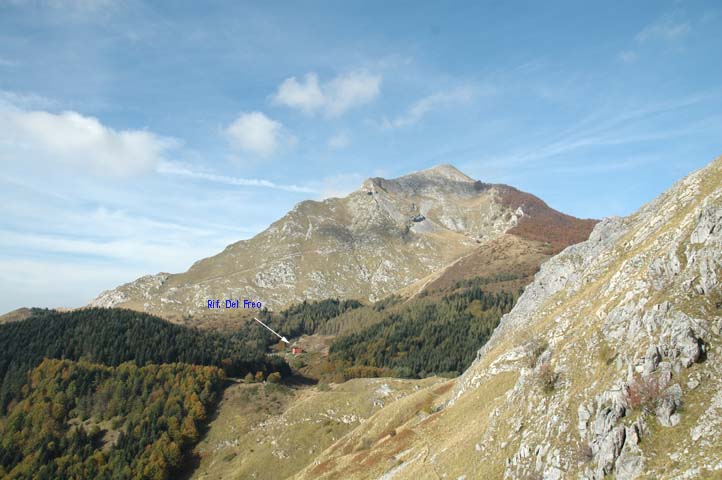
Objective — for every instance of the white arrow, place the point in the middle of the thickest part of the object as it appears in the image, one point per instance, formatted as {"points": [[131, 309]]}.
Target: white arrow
{"points": [[283, 339]]}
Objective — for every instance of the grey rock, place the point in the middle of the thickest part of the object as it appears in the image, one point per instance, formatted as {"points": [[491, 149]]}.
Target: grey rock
{"points": [[604, 421], [609, 451], [584, 415], [689, 347], [663, 270], [664, 373], [668, 404], [629, 464], [651, 360], [552, 473]]}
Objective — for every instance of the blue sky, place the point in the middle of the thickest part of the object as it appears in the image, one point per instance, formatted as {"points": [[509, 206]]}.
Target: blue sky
{"points": [[140, 137]]}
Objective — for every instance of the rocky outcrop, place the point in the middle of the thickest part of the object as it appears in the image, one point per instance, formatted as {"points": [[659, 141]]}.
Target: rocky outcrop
{"points": [[629, 316]]}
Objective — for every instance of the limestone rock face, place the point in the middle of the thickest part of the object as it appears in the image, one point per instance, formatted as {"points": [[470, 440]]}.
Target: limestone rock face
{"points": [[632, 319], [377, 240]]}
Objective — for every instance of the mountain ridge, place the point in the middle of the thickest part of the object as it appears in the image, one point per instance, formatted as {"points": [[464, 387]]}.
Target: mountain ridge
{"points": [[375, 241]]}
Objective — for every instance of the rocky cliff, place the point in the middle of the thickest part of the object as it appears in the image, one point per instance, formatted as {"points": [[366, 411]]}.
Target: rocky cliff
{"points": [[380, 238], [609, 366]]}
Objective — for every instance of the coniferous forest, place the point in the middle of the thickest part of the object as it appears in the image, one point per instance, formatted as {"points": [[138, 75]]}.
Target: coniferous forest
{"points": [[424, 337], [307, 318]]}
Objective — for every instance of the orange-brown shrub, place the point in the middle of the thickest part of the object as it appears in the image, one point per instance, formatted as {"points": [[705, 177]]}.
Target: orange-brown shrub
{"points": [[645, 393]]}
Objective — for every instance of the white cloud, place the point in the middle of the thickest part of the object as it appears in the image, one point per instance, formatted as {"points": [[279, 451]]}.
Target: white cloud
{"points": [[84, 142], [128, 249], [172, 168], [69, 254], [667, 29], [340, 140], [111, 234], [333, 98], [306, 96], [351, 90], [420, 108], [627, 56], [57, 270], [255, 133]]}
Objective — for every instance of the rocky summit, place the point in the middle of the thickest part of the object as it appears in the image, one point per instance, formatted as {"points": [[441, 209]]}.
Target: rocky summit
{"points": [[609, 366], [383, 237]]}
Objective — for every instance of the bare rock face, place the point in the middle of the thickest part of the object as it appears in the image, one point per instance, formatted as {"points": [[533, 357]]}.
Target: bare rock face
{"points": [[632, 319], [377, 240]]}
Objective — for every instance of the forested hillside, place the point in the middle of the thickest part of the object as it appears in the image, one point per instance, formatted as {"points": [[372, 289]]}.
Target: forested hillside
{"points": [[110, 393], [312, 317], [425, 336], [113, 336], [80, 420], [437, 332]]}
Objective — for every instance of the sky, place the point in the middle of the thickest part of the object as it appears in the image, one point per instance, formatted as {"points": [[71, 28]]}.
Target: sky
{"points": [[139, 137]]}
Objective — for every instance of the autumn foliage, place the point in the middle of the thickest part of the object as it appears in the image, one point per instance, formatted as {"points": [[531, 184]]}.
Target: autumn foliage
{"points": [[645, 393], [83, 420], [542, 223]]}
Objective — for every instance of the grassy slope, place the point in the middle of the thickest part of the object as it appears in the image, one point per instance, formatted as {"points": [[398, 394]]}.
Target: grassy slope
{"points": [[420, 427], [272, 431], [504, 255], [16, 315]]}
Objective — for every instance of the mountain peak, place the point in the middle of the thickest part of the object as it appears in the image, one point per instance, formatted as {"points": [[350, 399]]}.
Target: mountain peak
{"points": [[443, 170]]}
